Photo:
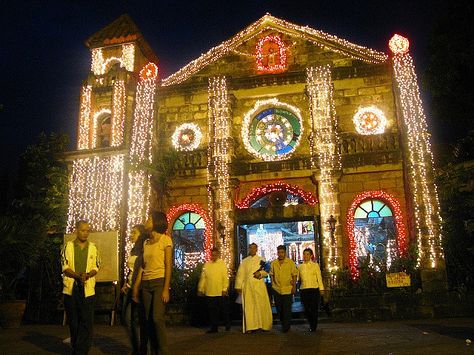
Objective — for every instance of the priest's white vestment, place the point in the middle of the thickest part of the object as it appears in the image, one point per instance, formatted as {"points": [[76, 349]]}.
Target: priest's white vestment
{"points": [[257, 312]]}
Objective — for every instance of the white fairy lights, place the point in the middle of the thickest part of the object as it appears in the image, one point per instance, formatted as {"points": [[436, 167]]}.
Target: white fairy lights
{"points": [[186, 137], [369, 120], [324, 124], [118, 118], [220, 133], [269, 22], [99, 65], [420, 159], [95, 192], [83, 136]]}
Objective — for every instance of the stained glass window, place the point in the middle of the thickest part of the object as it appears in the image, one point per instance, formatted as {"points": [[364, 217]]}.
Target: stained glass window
{"points": [[188, 240], [375, 233]]}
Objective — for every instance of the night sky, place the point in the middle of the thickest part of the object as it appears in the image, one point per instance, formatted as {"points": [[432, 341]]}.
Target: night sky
{"points": [[43, 59]]}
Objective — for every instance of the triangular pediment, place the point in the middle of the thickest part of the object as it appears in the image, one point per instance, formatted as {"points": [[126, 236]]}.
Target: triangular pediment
{"points": [[270, 23]]}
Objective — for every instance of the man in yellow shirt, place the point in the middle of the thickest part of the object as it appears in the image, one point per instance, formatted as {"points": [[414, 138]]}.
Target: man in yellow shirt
{"points": [[214, 284], [284, 274]]}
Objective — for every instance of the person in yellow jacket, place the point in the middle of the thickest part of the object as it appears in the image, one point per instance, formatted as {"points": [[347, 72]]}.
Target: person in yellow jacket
{"points": [[80, 264]]}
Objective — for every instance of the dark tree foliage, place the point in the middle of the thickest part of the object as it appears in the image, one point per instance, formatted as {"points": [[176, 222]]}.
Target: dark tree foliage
{"points": [[450, 73]]}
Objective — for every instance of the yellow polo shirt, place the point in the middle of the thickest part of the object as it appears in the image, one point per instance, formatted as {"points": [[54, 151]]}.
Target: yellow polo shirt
{"points": [[282, 274]]}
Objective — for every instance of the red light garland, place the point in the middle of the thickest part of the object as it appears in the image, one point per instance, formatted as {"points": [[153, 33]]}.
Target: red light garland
{"points": [[394, 206], [263, 48], [149, 71], [258, 192], [175, 211]]}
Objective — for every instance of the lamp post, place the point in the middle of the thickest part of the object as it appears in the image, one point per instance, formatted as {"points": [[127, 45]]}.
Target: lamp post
{"points": [[332, 227]]}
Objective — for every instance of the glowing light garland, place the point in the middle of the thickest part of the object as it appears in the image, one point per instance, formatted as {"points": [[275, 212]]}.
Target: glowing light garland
{"points": [[83, 136], [350, 224], [186, 137], [269, 22], [369, 120], [420, 160], [260, 56], [324, 140], [219, 152], [127, 60], [118, 117], [95, 192], [259, 192], [399, 44], [141, 150], [267, 124], [175, 211]]}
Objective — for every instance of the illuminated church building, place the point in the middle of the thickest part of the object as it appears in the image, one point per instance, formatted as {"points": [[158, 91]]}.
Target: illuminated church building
{"points": [[282, 134]]}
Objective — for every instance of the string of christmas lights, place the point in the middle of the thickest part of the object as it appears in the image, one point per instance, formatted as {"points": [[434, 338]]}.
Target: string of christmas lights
{"points": [[259, 192], [84, 118], [420, 157], [99, 65], [118, 113], [220, 133], [141, 149], [325, 142], [269, 22], [176, 211], [350, 225], [95, 192]]}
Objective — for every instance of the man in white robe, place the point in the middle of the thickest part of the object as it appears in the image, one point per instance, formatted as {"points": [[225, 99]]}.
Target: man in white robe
{"points": [[250, 284]]}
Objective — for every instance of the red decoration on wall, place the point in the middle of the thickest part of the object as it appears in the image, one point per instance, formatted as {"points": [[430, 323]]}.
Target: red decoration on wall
{"points": [[394, 206], [271, 54], [176, 211], [259, 192], [149, 71]]}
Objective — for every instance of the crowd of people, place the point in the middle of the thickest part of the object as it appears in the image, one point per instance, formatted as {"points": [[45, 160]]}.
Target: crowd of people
{"points": [[147, 288]]}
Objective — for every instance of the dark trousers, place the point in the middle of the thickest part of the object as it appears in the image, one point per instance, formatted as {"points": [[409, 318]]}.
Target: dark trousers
{"points": [[310, 299], [283, 306], [155, 314], [80, 314], [134, 318], [218, 306]]}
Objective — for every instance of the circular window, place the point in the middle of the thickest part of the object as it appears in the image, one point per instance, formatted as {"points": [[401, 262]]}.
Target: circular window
{"points": [[272, 133]]}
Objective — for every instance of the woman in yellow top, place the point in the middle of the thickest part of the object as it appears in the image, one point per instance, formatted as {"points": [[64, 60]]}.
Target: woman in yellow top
{"points": [[311, 284], [154, 278]]}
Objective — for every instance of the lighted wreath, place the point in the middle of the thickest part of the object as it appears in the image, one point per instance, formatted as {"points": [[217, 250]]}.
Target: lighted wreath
{"points": [[186, 137], [149, 71], [399, 44], [271, 54], [370, 120], [272, 130]]}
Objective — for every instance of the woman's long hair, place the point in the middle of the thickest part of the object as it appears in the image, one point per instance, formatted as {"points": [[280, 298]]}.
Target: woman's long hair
{"points": [[138, 246]]}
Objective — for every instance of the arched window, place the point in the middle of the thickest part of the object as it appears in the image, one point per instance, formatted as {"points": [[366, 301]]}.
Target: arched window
{"points": [[188, 240], [375, 233], [104, 126]]}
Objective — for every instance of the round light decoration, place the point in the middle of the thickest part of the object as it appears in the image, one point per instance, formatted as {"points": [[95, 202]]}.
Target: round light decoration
{"points": [[370, 120], [149, 71], [186, 137], [399, 44], [272, 130]]}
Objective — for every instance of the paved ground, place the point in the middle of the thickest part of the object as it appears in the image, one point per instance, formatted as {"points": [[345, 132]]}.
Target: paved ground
{"points": [[440, 336]]}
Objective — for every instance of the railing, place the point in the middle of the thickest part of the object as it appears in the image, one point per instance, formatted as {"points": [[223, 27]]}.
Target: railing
{"points": [[188, 162]]}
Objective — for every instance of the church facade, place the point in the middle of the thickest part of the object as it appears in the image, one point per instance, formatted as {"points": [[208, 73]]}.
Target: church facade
{"points": [[282, 134]]}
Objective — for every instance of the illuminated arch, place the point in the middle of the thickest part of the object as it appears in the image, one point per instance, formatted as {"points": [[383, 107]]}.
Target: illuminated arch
{"points": [[393, 204], [175, 211], [259, 192]]}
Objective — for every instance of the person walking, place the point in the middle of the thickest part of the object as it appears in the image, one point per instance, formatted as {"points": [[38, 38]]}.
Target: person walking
{"points": [[133, 313], [283, 274], [214, 284], [311, 285], [154, 278], [80, 264], [250, 284]]}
